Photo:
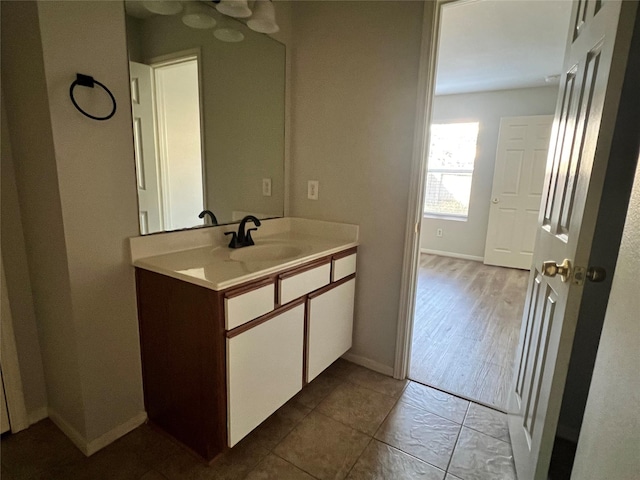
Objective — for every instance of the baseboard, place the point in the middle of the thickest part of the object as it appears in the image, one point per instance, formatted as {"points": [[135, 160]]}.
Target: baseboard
{"points": [[442, 253], [37, 415], [568, 433], [368, 363], [91, 447], [114, 434], [76, 437]]}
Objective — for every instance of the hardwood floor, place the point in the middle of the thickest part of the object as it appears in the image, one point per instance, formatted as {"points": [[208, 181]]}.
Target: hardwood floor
{"points": [[466, 327]]}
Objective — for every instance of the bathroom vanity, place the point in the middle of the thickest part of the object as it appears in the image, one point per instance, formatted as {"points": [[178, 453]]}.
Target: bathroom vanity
{"points": [[229, 335]]}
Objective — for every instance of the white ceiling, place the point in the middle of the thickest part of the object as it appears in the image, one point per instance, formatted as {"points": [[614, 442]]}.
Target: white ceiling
{"points": [[501, 44]]}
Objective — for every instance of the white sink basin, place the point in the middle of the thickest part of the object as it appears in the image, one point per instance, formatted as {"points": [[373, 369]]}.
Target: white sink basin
{"points": [[262, 253]]}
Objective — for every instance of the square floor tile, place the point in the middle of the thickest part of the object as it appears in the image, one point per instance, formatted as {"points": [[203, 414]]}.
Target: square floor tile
{"points": [[270, 432], [110, 463], [420, 433], [488, 421], [153, 475], [38, 450], [379, 461], [341, 368], [376, 381], [316, 391], [322, 447], [234, 464], [275, 468], [435, 401], [480, 457], [357, 407]]}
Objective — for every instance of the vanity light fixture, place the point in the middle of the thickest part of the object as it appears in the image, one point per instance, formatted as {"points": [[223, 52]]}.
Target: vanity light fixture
{"points": [[196, 16], [263, 19], [162, 7], [234, 8], [229, 35]]}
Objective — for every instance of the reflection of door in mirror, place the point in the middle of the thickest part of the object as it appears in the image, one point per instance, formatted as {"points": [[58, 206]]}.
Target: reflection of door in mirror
{"points": [[169, 147], [242, 118], [145, 148]]}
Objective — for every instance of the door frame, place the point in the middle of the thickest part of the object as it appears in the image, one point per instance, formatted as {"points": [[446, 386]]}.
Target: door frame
{"points": [[165, 61], [11, 377], [432, 15]]}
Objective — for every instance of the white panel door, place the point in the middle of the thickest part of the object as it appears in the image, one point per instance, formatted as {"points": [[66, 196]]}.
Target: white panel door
{"points": [[330, 327], [264, 370], [144, 139], [518, 180], [580, 148]]}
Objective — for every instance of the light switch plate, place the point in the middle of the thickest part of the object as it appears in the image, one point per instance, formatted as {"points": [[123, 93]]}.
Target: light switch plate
{"points": [[312, 189], [266, 187]]}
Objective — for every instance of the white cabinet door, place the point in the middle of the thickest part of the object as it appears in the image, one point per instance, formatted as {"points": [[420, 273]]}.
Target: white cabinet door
{"points": [[518, 181], [330, 326], [264, 370]]}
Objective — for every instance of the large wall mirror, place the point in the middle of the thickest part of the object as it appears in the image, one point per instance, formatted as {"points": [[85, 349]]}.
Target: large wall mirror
{"points": [[208, 117]]}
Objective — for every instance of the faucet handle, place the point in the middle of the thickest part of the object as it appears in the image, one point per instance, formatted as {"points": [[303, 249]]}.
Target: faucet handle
{"points": [[234, 239], [247, 239]]}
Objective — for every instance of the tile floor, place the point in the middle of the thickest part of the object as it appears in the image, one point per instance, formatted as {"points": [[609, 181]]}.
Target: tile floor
{"points": [[348, 423]]}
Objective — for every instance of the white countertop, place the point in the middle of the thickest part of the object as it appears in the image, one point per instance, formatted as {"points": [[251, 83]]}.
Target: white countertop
{"points": [[210, 266]]}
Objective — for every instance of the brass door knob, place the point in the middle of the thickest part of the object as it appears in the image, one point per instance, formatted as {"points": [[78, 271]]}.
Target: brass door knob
{"points": [[551, 269]]}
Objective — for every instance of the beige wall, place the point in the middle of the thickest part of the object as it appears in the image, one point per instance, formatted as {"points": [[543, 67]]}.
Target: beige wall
{"points": [[14, 257], [609, 441], [354, 95], [32, 143], [96, 180], [468, 237], [76, 184]]}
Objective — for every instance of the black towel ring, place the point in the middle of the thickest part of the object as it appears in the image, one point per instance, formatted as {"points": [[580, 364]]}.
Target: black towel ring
{"points": [[88, 81]]}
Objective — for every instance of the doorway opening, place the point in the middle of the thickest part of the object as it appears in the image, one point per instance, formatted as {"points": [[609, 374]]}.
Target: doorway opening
{"points": [[167, 119], [495, 92], [581, 218]]}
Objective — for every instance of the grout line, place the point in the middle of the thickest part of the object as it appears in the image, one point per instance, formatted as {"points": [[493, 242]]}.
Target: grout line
{"points": [[291, 463], [410, 454], [359, 456], [458, 395], [453, 451]]}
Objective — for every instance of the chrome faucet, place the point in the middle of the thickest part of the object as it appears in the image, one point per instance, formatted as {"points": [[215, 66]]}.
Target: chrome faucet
{"points": [[242, 238], [214, 220]]}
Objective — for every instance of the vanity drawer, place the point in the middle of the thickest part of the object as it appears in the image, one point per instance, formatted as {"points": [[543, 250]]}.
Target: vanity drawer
{"points": [[297, 283], [343, 266], [247, 303]]}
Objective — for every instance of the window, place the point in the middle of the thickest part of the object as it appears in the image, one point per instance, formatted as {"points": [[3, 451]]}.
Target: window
{"points": [[450, 168]]}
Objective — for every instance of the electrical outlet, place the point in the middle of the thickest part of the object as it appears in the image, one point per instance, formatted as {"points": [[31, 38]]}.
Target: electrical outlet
{"points": [[439, 232], [266, 187], [312, 189]]}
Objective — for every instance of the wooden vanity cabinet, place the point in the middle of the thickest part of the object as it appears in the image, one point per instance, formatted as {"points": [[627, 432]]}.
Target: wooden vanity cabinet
{"points": [[216, 364]]}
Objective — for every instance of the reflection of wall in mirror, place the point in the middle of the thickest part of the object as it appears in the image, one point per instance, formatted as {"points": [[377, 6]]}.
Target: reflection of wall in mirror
{"points": [[243, 88]]}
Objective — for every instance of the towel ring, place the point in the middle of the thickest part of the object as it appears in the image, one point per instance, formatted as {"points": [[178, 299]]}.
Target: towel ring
{"points": [[88, 81]]}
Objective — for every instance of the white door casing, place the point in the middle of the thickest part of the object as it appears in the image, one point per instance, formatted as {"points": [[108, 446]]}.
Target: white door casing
{"points": [[145, 150], [518, 179], [594, 69], [177, 103]]}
